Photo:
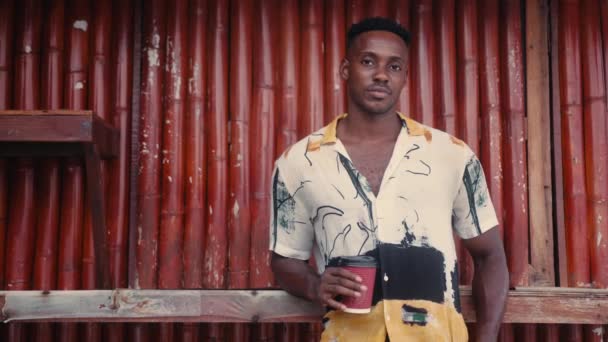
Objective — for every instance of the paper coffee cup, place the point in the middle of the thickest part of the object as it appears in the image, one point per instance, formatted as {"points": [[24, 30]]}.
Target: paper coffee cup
{"points": [[364, 267]]}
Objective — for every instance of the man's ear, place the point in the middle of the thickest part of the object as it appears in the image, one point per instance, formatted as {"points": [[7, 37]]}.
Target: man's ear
{"points": [[344, 69]]}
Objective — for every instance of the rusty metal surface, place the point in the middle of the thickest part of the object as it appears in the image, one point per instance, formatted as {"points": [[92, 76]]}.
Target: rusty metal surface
{"points": [[69, 42]]}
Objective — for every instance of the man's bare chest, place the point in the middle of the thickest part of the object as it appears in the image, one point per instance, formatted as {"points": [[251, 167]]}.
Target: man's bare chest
{"points": [[371, 162]]}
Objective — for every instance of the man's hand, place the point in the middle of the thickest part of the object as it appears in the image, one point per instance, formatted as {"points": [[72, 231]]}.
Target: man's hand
{"points": [[336, 281], [299, 279]]}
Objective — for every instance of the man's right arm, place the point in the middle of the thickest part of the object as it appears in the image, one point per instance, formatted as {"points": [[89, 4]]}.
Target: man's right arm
{"points": [[299, 279], [296, 276]]}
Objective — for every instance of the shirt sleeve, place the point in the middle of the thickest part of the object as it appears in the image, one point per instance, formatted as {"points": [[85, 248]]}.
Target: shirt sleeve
{"points": [[473, 212], [291, 232]]}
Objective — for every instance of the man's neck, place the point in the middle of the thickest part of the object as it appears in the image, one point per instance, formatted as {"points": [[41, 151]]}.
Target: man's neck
{"points": [[370, 127]]}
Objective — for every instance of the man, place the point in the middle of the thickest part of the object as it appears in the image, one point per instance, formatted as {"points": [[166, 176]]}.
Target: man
{"points": [[375, 182]]}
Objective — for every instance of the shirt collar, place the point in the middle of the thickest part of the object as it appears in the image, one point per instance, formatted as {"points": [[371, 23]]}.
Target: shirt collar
{"points": [[413, 129]]}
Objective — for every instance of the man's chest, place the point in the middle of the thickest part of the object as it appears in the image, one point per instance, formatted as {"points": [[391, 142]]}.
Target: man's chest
{"points": [[415, 200], [371, 162]]}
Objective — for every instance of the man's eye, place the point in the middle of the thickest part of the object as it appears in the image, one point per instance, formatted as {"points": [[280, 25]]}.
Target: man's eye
{"points": [[396, 67], [367, 62]]}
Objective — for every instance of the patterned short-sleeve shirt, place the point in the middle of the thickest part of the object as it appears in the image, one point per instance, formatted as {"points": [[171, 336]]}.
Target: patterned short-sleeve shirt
{"points": [[432, 186]]}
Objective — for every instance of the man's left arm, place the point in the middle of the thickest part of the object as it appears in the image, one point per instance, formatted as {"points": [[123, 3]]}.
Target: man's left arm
{"points": [[490, 283]]}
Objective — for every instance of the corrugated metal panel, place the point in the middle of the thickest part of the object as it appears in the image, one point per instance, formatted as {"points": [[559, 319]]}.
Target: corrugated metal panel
{"points": [[225, 87]]}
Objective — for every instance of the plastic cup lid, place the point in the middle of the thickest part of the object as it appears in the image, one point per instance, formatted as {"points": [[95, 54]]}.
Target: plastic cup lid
{"points": [[354, 261]]}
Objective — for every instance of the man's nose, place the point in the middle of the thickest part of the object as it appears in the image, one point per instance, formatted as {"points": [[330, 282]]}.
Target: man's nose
{"points": [[381, 76]]}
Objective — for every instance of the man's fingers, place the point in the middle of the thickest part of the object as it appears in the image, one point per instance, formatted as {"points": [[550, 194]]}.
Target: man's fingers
{"points": [[339, 282], [349, 284], [335, 290], [335, 304], [340, 272], [344, 278]]}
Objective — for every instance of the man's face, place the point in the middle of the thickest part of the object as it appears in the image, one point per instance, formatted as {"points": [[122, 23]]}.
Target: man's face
{"points": [[375, 71]]}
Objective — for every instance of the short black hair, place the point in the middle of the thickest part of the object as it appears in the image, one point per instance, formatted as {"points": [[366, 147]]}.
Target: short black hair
{"points": [[376, 24]]}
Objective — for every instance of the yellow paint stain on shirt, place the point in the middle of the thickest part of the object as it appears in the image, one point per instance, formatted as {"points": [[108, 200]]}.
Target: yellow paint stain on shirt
{"points": [[313, 146], [428, 135], [346, 327], [416, 129], [444, 323], [331, 131], [457, 141]]}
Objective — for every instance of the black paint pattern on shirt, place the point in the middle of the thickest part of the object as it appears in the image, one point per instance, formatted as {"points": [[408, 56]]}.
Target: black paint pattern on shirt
{"points": [[275, 208], [455, 281], [285, 197], [368, 231], [306, 152], [414, 148], [339, 192], [283, 206], [409, 237], [342, 234], [426, 172], [475, 186], [338, 162], [322, 213], [418, 170], [354, 177], [412, 273]]}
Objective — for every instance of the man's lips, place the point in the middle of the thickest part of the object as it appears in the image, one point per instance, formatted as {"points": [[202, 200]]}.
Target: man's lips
{"points": [[378, 91]]}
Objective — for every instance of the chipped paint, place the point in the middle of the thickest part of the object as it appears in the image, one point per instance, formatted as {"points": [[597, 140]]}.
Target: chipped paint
{"points": [[235, 210], [192, 88], [153, 61], [169, 179], [155, 39], [81, 25], [190, 179], [599, 238], [79, 85], [139, 235], [599, 331], [210, 210], [27, 49], [177, 85]]}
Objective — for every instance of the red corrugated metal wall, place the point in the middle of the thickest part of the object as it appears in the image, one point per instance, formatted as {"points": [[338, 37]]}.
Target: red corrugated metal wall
{"points": [[224, 87]]}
